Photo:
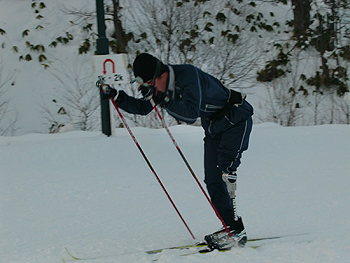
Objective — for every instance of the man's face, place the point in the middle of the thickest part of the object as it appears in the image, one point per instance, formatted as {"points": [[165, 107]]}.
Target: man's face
{"points": [[160, 83]]}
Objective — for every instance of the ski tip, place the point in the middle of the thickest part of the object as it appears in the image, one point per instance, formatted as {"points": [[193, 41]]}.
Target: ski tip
{"points": [[205, 250]]}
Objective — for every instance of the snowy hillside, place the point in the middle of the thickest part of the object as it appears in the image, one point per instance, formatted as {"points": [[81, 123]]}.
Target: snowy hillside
{"points": [[96, 196], [32, 88]]}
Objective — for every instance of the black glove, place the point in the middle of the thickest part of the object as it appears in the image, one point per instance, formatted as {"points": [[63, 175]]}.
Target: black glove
{"points": [[159, 98], [236, 98], [147, 91], [108, 92]]}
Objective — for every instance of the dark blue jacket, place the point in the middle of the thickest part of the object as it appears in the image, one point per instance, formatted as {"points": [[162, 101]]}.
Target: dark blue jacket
{"points": [[194, 94]]}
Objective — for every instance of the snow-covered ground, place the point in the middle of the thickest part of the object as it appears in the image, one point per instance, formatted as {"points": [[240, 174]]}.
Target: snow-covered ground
{"points": [[96, 196]]}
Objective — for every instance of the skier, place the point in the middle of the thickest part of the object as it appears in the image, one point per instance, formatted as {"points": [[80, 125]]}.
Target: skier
{"points": [[186, 93]]}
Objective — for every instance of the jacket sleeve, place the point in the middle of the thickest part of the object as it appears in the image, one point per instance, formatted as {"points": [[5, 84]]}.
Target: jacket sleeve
{"points": [[185, 104], [133, 105]]}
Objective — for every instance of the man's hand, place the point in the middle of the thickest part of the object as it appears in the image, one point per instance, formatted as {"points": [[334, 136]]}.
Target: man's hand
{"points": [[159, 98], [108, 92], [237, 98], [147, 91]]}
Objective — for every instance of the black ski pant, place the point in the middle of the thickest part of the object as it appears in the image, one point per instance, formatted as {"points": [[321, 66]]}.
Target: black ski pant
{"points": [[222, 153]]}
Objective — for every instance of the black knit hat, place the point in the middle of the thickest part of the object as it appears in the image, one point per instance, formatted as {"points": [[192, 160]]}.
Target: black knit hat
{"points": [[148, 67]]}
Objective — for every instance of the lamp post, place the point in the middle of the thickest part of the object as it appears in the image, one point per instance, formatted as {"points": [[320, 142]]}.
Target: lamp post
{"points": [[102, 49]]}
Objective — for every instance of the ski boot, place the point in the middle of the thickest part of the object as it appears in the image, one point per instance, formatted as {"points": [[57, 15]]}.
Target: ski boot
{"points": [[222, 240]]}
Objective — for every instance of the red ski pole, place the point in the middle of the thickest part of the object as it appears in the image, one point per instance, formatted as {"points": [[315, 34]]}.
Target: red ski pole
{"points": [[150, 166], [189, 167]]}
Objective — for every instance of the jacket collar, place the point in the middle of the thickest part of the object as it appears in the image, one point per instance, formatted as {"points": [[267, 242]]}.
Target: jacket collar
{"points": [[171, 79]]}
